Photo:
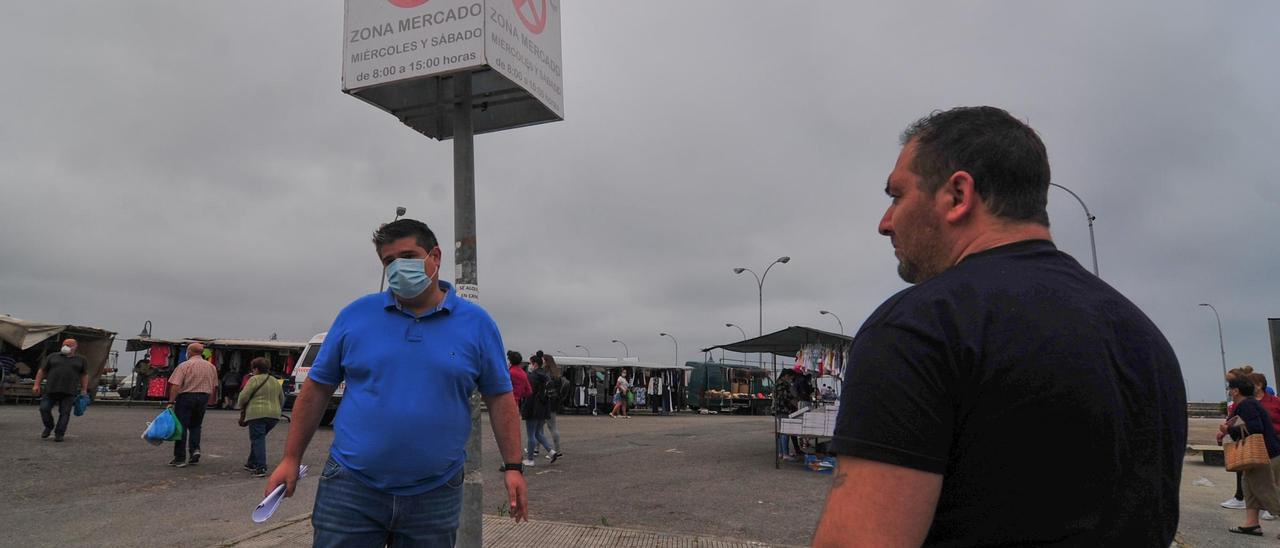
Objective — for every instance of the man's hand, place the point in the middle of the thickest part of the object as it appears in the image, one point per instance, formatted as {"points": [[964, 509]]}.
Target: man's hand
{"points": [[287, 473], [517, 495], [35, 389]]}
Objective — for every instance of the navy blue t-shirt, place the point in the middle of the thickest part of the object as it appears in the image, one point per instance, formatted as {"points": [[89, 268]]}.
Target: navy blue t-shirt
{"points": [[1051, 405]]}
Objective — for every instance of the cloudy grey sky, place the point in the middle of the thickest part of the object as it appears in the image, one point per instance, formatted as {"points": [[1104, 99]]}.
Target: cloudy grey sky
{"points": [[195, 164]]}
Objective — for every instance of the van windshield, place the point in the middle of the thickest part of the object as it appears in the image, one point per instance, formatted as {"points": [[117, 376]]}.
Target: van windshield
{"points": [[310, 354]]}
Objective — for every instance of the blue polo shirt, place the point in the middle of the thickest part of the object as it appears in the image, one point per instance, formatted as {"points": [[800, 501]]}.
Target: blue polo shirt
{"points": [[405, 417]]}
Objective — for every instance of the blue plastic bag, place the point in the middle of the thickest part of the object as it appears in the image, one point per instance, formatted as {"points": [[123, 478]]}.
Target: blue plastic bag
{"points": [[82, 403], [162, 428]]}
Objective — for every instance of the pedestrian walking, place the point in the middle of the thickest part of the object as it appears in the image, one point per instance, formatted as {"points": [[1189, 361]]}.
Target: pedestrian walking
{"points": [[68, 376], [410, 357], [621, 388], [1009, 396], [536, 409], [1259, 483], [192, 384], [260, 404], [520, 388], [557, 390]]}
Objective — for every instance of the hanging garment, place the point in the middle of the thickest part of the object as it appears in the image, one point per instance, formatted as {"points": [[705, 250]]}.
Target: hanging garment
{"points": [[159, 355], [157, 387]]}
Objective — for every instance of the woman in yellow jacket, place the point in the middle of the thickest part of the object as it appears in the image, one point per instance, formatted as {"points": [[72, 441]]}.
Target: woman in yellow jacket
{"points": [[260, 401]]}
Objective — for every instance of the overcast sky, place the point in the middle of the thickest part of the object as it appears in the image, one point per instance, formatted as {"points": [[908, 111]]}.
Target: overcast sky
{"points": [[196, 164]]}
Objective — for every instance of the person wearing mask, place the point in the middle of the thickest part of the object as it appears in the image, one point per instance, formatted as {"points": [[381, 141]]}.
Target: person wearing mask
{"points": [[556, 388], [68, 376], [620, 390], [411, 357], [1259, 483], [190, 387], [260, 402], [536, 409]]}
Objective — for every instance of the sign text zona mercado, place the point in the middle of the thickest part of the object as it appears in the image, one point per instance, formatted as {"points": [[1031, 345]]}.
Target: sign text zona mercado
{"points": [[397, 53]]}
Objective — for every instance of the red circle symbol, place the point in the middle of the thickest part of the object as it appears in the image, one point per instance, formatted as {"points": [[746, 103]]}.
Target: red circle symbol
{"points": [[407, 3], [533, 17]]}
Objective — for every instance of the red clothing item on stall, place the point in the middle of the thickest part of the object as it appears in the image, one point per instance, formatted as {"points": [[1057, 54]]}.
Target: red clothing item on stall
{"points": [[520, 388]]}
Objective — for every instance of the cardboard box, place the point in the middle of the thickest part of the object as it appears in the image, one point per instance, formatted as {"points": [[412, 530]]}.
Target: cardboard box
{"points": [[791, 426]]}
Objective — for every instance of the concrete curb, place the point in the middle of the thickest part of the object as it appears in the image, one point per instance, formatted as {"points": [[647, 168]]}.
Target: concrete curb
{"points": [[259, 532]]}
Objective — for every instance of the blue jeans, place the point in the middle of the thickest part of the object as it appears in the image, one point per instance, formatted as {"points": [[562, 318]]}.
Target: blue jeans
{"points": [[64, 402], [350, 513], [258, 429], [533, 433]]}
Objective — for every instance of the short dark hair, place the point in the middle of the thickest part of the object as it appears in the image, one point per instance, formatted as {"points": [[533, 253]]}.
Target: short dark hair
{"points": [[405, 228], [514, 357], [1008, 161], [260, 364]]}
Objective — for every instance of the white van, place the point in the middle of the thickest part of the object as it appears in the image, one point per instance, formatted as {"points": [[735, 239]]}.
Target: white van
{"points": [[300, 376]]}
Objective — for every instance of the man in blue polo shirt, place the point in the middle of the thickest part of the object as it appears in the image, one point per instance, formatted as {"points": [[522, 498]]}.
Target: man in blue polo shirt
{"points": [[410, 358]]}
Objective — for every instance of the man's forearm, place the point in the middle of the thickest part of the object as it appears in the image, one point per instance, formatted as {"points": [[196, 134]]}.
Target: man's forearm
{"points": [[506, 425], [84, 384], [173, 392], [307, 411]]}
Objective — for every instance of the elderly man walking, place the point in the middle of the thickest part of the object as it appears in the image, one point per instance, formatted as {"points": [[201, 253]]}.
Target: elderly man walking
{"points": [[190, 386]]}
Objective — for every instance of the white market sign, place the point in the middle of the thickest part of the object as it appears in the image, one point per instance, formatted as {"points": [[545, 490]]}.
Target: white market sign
{"points": [[387, 41]]}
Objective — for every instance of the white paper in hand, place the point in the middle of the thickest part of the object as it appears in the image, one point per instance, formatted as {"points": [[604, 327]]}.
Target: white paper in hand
{"points": [[268, 505]]}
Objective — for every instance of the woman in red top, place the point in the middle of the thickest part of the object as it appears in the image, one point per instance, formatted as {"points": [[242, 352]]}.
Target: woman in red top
{"points": [[520, 388]]}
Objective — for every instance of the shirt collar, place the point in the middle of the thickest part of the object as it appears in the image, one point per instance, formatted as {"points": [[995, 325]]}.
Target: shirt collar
{"points": [[447, 304]]}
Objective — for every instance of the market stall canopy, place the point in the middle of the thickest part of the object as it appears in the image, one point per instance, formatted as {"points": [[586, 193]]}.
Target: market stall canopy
{"points": [[786, 342], [573, 361], [142, 343], [25, 334]]}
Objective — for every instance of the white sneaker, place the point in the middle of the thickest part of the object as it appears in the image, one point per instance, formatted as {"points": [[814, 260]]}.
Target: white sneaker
{"points": [[1267, 516], [1233, 503], [553, 452], [528, 462]]}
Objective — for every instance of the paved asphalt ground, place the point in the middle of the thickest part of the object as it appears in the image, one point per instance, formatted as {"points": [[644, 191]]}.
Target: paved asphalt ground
{"points": [[707, 475]]}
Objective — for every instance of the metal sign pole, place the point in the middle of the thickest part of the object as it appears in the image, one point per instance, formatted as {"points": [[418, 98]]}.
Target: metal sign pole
{"points": [[471, 524]]}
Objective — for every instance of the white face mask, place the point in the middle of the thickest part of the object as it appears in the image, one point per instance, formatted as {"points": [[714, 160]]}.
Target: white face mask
{"points": [[66, 350]]}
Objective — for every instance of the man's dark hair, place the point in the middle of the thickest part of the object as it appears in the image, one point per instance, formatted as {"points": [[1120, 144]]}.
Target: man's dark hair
{"points": [[405, 228], [260, 365], [1008, 161], [514, 357]]}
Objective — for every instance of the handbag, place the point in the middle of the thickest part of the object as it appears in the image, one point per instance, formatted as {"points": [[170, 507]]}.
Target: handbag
{"points": [[1248, 453], [248, 401]]}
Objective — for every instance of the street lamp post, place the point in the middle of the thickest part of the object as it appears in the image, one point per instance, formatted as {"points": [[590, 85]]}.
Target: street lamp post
{"points": [[144, 334], [624, 347], [744, 337], [1221, 345], [400, 211], [833, 315], [584, 348], [677, 343], [1093, 247], [760, 292]]}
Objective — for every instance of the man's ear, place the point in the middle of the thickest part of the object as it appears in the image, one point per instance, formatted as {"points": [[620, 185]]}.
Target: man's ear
{"points": [[959, 197]]}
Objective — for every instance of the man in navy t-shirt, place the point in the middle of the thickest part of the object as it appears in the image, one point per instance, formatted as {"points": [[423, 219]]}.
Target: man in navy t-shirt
{"points": [[1009, 397], [410, 357]]}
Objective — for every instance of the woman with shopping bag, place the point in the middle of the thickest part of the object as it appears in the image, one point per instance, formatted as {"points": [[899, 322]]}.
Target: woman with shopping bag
{"points": [[259, 402], [1255, 450]]}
